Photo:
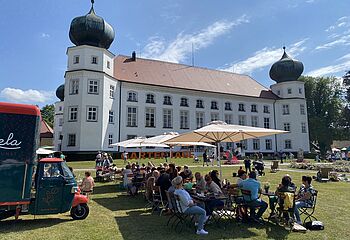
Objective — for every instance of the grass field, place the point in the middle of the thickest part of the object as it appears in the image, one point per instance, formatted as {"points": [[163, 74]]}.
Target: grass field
{"points": [[114, 215]]}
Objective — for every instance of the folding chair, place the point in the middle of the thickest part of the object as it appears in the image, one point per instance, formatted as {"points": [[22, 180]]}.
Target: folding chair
{"points": [[309, 211], [286, 215], [246, 204]]}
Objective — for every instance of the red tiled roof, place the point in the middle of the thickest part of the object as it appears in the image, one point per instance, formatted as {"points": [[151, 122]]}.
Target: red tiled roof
{"points": [[45, 128], [159, 73]]}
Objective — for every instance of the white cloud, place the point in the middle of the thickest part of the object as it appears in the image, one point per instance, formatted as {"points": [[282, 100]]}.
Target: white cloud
{"points": [[342, 41], [341, 22], [263, 58], [333, 69], [45, 35], [179, 49], [26, 96]]}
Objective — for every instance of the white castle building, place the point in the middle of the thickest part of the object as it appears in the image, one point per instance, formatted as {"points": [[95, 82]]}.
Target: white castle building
{"points": [[107, 98]]}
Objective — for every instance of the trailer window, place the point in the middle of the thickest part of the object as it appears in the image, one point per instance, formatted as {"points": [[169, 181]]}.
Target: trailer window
{"points": [[51, 170], [66, 171]]}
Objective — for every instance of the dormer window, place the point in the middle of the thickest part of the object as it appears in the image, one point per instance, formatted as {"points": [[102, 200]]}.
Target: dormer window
{"points": [[278, 92], [253, 108], [167, 100], [300, 91], [289, 91], [228, 106], [76, 59], [266, 109], [108, 64], [94, 60], [214, 105], [150, 98], [184, 102]]}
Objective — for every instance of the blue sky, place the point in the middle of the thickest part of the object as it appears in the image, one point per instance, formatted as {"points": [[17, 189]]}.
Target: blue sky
{"points": [[241, 36]]}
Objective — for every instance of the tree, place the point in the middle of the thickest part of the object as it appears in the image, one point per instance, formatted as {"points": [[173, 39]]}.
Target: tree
{"points": [[344, 133], [324, 103], [47, 113]]}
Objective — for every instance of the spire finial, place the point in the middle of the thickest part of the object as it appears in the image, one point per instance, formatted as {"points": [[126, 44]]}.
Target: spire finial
{"points": [[92, 7], [284, 48], [92, 2]]}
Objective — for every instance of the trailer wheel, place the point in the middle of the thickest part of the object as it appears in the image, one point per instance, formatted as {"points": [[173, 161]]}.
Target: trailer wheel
{"points": [[79, 212]]}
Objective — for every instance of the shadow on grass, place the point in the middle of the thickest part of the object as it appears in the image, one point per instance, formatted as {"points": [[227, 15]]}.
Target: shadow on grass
{"points": [[8, 226], [140, 223], [121, 202], [107, 188]]}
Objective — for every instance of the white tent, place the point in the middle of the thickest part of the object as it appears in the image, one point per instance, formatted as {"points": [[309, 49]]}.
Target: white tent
{"points": [[43, 151], [218, 131]]}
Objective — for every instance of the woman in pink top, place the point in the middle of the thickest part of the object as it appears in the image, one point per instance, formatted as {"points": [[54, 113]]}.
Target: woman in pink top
{"points": [[88, 183]]}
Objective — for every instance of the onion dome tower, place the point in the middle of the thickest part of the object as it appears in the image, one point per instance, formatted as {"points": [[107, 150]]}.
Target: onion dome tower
{"points": [[91, 30], [60, 92], [286, 69]]}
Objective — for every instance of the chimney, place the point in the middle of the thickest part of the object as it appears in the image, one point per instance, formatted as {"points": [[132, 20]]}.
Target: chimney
{"points": [[133, 56]]}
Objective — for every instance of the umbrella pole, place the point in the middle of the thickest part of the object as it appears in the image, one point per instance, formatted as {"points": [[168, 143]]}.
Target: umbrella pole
{"points": [[218, 157], [139, 155]]}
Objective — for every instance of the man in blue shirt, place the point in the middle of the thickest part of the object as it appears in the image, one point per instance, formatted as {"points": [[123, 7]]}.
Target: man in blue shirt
{"points": [[253, 201]]}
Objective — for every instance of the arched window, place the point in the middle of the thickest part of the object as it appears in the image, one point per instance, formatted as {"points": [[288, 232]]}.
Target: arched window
{"points": [[199, 103], [184, 102], [132, 96], [214, 105], [167, 100], [150, 98]]}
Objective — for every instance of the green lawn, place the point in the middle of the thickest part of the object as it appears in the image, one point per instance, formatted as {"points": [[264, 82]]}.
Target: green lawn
{"points": [[114, 215]]}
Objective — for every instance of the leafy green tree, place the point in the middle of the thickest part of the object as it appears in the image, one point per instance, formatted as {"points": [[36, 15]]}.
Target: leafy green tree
{"points": [[324, 104], [47, 113], [344, 132]]}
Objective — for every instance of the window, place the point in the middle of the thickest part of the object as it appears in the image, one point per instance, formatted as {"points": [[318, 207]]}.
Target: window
{"points": [[287, 144], [199, 104], [266, 109], [167, 118], [184, 120], [256, 144], [255, 121], [111, 91], [214, 105], [286, 126], [300, 91], [76, 59], [253, 108], [184, 102], [244, 144], [266, 122], [214, 116], [150, 117], [289, 90], [93, 60], [73, 114], [228, 106], [111, 117], [60, 108], [150, 98], [285, 109], [132, 117], [60, 122], [93, 87], [71, 140], [51, 170], [132, 97], [303, 127], [108, 64], [167, 100], [228, 118], [241, 107], [91, 114], [110, 140], [128, 137], [278, 92], [302, 109], [268, 144], [241, 120], [199, 119], [74, 87]]}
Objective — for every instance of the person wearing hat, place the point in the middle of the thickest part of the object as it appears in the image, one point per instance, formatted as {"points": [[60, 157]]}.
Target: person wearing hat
{"points": [[252, 185], [187, 205]]}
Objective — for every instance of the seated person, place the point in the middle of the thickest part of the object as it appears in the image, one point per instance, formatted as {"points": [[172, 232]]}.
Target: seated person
{"points": [[211, 204], [163, 182], [88, 183], [126, 172], [200, 183], [253, 201], [241, 176], [305, 197], [240, 171], [187, 205], [214, 176]]}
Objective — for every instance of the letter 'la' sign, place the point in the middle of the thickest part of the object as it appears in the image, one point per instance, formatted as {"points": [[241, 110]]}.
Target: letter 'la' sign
{"points": [[9, 143]]}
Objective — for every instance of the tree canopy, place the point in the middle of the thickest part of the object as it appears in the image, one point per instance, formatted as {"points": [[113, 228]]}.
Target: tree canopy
{"points": [[47, 113]]}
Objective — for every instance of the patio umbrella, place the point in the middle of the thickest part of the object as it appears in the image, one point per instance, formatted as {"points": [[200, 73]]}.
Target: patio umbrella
{"points": [[344, 149], [139, 143], [218, 131]]}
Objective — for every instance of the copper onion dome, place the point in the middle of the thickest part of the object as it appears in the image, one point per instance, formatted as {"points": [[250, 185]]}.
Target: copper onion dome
{"points": [[60, 92], [286, 69], [91, 30]]}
